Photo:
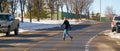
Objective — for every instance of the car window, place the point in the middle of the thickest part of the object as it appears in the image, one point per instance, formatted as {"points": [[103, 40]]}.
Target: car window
{"points": [[11, 17], [4, 17], [117, 18]]}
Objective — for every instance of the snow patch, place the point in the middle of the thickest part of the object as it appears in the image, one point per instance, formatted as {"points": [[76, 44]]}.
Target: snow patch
{"points": [[113, 35], [45, 24]]}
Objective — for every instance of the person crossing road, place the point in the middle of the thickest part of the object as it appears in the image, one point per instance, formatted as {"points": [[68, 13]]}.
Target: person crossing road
{"points": [[66, 25]]}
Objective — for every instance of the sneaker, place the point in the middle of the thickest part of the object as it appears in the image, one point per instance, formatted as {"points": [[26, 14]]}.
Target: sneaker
{"points": [[71, 38], [63, 38]]}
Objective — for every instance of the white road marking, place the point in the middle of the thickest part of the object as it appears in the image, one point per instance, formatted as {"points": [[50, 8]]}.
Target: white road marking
{"points": [[88, 43]]}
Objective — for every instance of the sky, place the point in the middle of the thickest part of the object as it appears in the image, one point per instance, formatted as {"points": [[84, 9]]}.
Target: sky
{"points": [[95, 7], [115, 4]]}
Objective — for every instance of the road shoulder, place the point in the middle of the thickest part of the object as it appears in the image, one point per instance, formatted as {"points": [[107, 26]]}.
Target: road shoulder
{"points": [[103, 42]]}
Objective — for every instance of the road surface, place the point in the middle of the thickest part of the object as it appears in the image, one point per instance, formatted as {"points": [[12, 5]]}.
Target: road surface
{"points": [[51, 39]]}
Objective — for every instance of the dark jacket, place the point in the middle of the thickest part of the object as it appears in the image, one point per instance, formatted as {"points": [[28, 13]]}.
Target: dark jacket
{"points": [[66, 25]]}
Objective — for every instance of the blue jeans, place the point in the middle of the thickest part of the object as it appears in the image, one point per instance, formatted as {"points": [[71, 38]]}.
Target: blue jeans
{"points": [[65, 33]]}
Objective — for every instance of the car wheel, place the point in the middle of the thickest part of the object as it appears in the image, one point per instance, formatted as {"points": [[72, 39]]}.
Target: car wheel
{"points": [[113, 29], [8, 32], [118, 29], [16, 31]]}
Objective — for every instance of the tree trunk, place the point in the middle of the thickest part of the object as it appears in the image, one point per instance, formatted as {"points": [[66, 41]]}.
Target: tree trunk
{"points": [[67, 11], [21, 4], [0, 7], [62, 12], [22, 16], [30, 14], [88, 15], [57, 12], [39, 8]]}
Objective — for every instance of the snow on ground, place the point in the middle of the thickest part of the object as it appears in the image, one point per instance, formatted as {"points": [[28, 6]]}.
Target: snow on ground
{"points": [[26, 26], [113, 35], [44, 24]]}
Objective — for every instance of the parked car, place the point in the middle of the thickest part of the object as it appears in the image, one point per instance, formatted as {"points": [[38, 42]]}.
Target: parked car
{"points": [[115, 24], [8, 23]]}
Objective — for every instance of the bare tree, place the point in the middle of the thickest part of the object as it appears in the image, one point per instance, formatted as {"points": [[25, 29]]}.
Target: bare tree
{"points": [[67, 4], [110, 13], [13, 4], [61, 5], [39, 6], [51, 5], [1, 1], [29, 7], [4, 6], [22, 7], [81, 5], [87, 6], [76, 8], [57, 4]]}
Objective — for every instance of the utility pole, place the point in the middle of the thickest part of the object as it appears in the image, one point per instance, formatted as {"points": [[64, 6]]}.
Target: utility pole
{"points": [[100, 10]]}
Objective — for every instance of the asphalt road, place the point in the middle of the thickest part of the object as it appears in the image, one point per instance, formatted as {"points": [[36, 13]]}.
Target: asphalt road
{"points": [[84, 36]]}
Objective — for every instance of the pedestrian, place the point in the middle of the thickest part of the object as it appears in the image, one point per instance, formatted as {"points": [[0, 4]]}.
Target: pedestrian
{"points": [[66, 27]]}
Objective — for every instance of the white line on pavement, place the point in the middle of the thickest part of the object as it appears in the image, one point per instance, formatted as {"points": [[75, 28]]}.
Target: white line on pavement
{"points": [[87, 46]]}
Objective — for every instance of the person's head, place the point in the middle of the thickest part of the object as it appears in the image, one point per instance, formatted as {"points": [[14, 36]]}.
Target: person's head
{"points": [[65, 18]]}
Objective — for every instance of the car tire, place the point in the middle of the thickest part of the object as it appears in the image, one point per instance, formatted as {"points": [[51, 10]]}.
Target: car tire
{"points": [[118, 29], [8, 32], [113, 29], [16, 30]]}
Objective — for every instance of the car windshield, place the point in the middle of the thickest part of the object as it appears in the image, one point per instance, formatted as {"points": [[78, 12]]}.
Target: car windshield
{"points": [[117, 18], [4, 17]]}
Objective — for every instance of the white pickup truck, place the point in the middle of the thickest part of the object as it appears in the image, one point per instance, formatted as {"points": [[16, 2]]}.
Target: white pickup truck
{"points": [[115, 24], [8, 23]]}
